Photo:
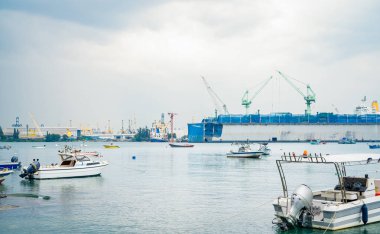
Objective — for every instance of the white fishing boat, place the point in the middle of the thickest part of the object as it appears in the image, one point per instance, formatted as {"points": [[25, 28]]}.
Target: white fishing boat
{"points": [[39, 146], [71, 166], [244, 151], [354, 201]]}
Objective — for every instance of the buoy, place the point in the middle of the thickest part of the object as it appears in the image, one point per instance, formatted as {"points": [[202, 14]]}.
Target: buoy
{"points": [[305, 153], [133, 157], [364, 213]]}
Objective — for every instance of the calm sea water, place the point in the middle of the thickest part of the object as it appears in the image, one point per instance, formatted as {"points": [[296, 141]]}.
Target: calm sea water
{"points": [[164, 190]]}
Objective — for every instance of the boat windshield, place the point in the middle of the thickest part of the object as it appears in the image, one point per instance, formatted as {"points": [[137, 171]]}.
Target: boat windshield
{"points": [[82, 158]]}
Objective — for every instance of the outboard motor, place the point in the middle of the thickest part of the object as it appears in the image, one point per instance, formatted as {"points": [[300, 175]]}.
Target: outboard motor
{"points": [[300, 209], [32, 168], [14, 159]]}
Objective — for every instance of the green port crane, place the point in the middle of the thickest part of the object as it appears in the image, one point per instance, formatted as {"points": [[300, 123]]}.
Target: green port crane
{"points": [[246, 101], [309, 97]]}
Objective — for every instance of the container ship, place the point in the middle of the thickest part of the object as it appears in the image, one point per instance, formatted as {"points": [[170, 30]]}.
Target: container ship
{"points": [[363, 125]]}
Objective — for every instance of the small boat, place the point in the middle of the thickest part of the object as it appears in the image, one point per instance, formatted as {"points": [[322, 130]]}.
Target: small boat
{"points": [[4, 172], [178, 145], [374, 146], [13, 164], [7, 147], [354, 201], [264, 148], [71, 166], [245, 151], [111, 146], [345, 141], [315, 142], [39, 146]]}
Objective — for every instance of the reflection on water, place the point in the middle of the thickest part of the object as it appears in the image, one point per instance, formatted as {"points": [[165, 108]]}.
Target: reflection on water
{"points": [[164, 190]]}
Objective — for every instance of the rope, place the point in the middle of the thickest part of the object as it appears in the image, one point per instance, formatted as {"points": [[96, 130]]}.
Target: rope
{"points": [[333, 218]]}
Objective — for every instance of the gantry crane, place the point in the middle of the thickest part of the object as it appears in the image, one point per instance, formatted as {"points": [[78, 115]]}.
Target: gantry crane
{"points": [[246, 101], [309, 97], [216, 99]]}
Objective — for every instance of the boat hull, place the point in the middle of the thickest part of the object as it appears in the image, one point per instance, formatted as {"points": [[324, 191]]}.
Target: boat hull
{"points": [[374, 146], [10, 165], [340, 216], [111, 146], [68, 172], [181, 146], [245, 154]]}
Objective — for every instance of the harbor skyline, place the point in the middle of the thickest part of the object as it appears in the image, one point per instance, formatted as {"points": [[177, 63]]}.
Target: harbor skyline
{"points": [[90, 63]]}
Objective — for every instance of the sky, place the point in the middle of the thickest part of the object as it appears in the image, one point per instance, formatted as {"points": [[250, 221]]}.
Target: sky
{"points": [[91, 61]]}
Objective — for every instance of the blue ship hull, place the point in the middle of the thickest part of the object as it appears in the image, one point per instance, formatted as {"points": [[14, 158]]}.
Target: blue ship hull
{"points": [[157, 140], [286, 127], [10, 165], [374, 146]]}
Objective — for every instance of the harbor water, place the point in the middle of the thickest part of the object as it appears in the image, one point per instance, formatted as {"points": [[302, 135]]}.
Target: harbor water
{"points": [[152, 188]]}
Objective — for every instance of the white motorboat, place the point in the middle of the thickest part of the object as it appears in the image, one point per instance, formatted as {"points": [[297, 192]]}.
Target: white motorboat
{"points": [[244, 151], [355, 201], [72, 166], [264, 147]]}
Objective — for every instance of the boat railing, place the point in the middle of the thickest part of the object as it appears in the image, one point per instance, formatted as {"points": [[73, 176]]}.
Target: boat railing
{"points": [[303, 158]]}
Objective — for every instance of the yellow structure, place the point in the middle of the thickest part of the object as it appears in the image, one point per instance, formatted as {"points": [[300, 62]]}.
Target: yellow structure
{"points": [[375, 106]]}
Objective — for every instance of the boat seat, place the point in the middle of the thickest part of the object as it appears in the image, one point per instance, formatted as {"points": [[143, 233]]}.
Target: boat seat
{"points": [[336, 195]]}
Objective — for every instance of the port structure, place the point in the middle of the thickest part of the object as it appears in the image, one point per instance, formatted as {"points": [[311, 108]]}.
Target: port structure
{"points": [[309, 96], [171, 115], [246, 101], [215, 98]]}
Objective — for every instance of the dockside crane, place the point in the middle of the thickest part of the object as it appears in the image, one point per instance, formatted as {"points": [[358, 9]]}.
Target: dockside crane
{"points": [[216, 99], [246, 101], [309, 97], [39, 132]]}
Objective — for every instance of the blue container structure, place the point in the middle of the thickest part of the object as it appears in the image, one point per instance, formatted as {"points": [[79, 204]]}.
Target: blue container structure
{"points": [[213, 126]]}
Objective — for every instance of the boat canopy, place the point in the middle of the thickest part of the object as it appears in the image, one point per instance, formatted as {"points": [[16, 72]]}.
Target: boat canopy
{"points": [[348, 158]]}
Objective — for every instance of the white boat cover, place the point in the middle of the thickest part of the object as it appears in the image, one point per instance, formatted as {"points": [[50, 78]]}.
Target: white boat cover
{"points": [[351, 157]]}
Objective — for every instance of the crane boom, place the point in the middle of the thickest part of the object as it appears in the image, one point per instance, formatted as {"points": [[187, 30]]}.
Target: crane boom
{"points": [[39, 132], [246, 102], [310, 94], [215, 98]]}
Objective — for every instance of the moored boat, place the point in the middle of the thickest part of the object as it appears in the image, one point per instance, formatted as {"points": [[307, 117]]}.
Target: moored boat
{"points": [[245, 151], [71, 166], [39, 146], [315, 142], [374, 146], [13, 164], [346, 141], [354, 201], [179, 145], [111, 146], [7, 147], [264, 148]]}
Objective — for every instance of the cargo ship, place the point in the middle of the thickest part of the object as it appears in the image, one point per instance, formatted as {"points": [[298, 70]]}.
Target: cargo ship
{"points": [[363, 125]]}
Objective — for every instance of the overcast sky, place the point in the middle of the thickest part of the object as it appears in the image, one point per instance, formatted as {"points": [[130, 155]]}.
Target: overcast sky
{"points": [[94, 61]]}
